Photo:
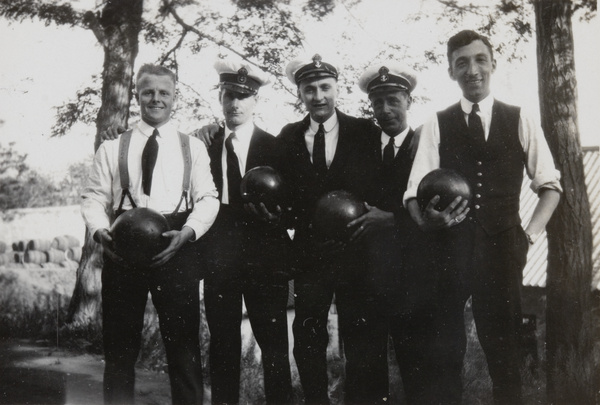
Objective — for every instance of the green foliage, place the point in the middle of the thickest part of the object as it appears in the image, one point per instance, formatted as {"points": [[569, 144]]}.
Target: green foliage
{"points": [[23, 187], [319, 9], [49, 13], [83, 109], [11, 161]]}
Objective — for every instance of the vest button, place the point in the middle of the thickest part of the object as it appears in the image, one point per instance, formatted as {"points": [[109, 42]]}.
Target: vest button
{"points": [[477, 195], [479, 174], [479, 163], [477, 206], [479, 184]]}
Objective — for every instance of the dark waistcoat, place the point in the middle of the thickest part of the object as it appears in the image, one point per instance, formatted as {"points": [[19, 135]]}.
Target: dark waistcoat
{"points": [[494, 168], [391, 181]]}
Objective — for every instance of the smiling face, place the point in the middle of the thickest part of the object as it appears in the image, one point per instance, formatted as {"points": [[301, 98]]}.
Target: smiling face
{"points": [[472, 66], [238, 108], [390, 108], [319, 97], [156, 96]]}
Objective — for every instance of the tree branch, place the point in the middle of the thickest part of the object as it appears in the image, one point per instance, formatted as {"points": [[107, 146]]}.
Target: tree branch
{"points": [[175, 47], [169, 7], [91, 21], [187, 27]]}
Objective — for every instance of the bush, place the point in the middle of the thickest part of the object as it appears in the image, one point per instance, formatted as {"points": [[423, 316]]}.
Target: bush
{"points": [[23, 187]]}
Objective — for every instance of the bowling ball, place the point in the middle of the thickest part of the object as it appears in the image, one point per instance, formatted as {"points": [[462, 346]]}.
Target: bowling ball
{"points": [[333, 212], [137, 235], [446, 183], [263, 184]]}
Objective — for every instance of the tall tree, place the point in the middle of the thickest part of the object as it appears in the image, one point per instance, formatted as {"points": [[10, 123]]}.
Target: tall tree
{"points": [[571, 375], [117, 29]]}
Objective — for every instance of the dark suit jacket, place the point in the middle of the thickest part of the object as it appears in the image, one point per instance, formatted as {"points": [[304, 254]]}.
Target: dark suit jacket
{"points": [[389, 183], [350, 169], [399, 258], [236, 236]]}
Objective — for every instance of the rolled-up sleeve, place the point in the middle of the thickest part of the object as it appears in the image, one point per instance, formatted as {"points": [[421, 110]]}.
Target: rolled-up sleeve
{"points": [[539, 163], [427, 157], [203, 191]]}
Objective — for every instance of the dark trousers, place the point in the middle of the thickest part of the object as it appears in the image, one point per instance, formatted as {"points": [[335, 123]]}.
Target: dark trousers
{"points": [[361, 327], [405, 281], [175, 295], [491, 270], [246, 261], [266, 303]]}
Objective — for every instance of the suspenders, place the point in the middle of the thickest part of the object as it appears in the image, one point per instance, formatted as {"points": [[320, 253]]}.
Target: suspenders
{"points": [[124, 170]]}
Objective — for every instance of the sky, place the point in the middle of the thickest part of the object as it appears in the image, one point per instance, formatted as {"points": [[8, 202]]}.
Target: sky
{"points": [[43, 67]]}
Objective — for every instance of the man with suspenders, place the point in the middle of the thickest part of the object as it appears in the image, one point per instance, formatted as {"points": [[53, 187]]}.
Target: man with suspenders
{"points": [[152, 166]]}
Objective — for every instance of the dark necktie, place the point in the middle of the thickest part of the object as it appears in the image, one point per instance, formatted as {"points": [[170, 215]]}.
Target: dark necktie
{"points": [[149, 161], [319, 151], [234, 177], [388, 152], [475, 125]]}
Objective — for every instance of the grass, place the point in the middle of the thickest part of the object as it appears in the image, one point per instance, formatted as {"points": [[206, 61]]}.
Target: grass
{"points": [[37, 313]]}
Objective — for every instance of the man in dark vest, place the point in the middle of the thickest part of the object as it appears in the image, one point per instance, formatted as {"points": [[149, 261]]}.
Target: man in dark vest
{"points": [[485, 245], [246, 257], [399, 263], [327, 151], [159, 169]]}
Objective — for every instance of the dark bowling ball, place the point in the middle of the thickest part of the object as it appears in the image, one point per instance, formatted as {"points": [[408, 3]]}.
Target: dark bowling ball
{"points": [[263, 184], [137, 235], [446, 183], [333, 212]]}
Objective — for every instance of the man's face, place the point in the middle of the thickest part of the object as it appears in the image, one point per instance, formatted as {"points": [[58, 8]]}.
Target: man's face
{"points": [[472, 67], [156, 95], [390, 108], [319, 97], [238, 108]]}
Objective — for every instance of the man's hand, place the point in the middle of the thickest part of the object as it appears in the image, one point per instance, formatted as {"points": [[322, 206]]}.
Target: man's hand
{"points": [[104, 237], [431, 219], [260, 210], [112, 132], [178, 239], [206, 134], [374, 219]]}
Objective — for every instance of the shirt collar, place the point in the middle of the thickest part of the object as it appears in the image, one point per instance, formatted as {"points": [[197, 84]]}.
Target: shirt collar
{"points": [[398, 139], [165, 130], [485, 105], [243, 133], [327, 125]]}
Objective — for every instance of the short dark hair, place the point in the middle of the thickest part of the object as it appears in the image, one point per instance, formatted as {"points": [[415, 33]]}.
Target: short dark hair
{"points": [[464, 38], [149, 68]]}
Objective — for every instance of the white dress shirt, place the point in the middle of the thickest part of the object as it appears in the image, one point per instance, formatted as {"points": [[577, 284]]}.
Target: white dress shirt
{"points": [[241, 145], [398, 140], [103, 192], [539, 162], [332, 134]]}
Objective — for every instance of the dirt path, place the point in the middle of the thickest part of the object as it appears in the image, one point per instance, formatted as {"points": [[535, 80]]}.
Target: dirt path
{"points": [[33, 373]]}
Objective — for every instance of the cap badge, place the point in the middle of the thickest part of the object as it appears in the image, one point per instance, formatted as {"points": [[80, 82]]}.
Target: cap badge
{"points": [[383, 74], [242, 73], [317, 60]]}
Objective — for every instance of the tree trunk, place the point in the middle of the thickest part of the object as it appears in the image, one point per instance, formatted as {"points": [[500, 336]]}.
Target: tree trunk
{"points": [[117, 30], [571, 375]]}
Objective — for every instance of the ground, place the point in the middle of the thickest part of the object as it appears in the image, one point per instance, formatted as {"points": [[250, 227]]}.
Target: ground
{"points": [[51, 371], [39, 373]]}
